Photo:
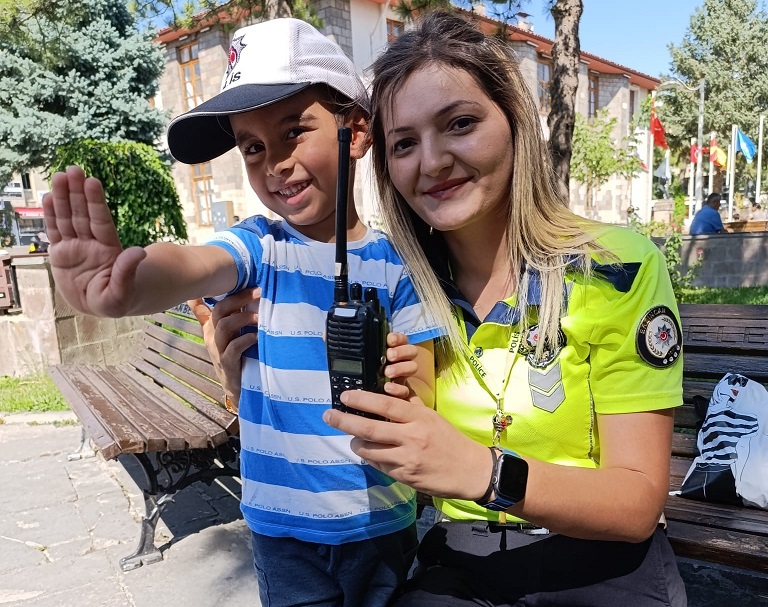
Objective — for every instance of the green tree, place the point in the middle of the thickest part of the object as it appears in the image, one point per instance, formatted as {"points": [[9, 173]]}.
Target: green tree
{"points": [[725, 45], [597, 157], [7, 238], [191, 14], [138, 186], [69, 70]]}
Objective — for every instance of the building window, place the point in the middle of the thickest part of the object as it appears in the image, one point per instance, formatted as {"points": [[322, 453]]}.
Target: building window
{"points": [[544, 83], [632, 103], [395, 29], [592, 106], [25, 182], [189, 71], [202, 192]]}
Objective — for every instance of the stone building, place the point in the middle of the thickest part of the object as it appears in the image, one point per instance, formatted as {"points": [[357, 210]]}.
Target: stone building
{"points": [[217, 192]]}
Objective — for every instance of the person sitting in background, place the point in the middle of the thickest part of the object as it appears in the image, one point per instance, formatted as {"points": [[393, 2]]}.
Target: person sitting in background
{"points": [[707, 220], [756, 213]]}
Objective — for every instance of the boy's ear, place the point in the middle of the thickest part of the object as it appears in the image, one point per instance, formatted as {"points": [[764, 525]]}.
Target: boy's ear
{"points": [[359, 124]]}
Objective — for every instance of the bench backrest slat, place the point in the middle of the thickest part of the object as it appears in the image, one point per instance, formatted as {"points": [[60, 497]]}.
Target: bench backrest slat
{"points": [[182, 322], [178, 360], [192, 354], [206, 409]]}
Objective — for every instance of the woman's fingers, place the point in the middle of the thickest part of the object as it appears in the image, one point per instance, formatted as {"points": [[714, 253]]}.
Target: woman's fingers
{"points": [[397, 390], [401, 370], [396, 410]]}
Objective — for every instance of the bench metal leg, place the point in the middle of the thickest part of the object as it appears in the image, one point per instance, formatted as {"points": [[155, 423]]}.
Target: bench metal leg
{"points": [[81, 452], [179, 469], [146, 552]]}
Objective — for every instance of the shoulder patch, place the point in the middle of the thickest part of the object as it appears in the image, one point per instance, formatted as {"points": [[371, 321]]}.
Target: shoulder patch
{"points": [[658, 337]]}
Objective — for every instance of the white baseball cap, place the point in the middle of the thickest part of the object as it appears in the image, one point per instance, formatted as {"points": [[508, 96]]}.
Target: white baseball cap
{"points": [[268, 62]]}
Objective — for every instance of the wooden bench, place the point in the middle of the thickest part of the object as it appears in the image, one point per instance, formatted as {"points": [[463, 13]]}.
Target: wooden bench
{"points": [[165, 408], [717, 339], [166, 403]]}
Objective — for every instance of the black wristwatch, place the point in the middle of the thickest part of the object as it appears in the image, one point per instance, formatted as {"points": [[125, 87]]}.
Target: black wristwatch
{"points": [[508, 480]]}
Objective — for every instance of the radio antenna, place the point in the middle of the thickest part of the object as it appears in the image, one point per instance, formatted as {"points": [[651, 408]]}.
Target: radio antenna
{"points": [[340, 278]]}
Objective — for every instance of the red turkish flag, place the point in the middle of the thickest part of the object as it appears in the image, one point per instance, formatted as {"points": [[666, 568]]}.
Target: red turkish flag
{"points": [[659, 140]]}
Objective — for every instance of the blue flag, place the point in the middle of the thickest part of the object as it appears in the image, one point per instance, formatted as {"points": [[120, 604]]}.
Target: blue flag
{"points": [[744, 145]]}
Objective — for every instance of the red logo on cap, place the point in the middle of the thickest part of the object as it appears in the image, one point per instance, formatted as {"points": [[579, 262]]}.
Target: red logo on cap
{"points": [[234, 53]]}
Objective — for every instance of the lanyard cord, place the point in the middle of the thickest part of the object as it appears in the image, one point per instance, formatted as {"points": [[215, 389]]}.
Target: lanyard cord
{"points": [[501, 420]]}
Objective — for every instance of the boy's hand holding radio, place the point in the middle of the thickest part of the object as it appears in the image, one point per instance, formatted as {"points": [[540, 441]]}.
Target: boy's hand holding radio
{"points": [[402, 371]]}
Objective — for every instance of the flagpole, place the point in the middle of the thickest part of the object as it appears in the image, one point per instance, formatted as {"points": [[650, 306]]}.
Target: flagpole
{"points": [[711, 181], [732, 186], [759, 158], [691, 184], [700, 155], [649, 197]]}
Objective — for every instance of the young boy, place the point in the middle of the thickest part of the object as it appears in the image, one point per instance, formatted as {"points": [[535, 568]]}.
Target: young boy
{"points": [[327, 528]]}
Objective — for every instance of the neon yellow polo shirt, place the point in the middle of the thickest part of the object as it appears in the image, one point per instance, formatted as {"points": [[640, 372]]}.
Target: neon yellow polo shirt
{"points": [[618, 352]]}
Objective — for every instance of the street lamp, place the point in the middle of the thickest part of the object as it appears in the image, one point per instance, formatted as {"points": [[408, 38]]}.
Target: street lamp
{"points": [[699, 136]]}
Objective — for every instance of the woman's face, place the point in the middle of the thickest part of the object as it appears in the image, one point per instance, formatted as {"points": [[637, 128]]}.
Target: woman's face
{"points": [[449, 149]]}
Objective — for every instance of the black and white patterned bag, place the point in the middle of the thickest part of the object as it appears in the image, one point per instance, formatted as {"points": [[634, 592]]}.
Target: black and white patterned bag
{"points": [[732, 465]]}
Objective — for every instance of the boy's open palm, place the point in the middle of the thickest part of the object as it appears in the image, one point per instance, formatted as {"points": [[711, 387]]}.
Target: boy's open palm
{"points": [[89, 265]]}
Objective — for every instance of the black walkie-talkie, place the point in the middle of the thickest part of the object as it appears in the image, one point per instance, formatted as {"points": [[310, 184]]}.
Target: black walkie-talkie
{"points": [[356, 327]]}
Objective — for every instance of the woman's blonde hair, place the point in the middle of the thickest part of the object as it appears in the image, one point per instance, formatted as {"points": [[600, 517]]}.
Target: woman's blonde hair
{"points": [[542, 235]]}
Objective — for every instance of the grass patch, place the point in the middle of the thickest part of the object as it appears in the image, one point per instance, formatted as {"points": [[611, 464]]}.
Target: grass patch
{"points": [[34, 393], [731, 295]]}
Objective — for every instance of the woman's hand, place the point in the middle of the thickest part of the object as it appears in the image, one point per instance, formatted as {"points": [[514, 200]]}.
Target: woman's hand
{"points": [[417, 446], [222, 333]]}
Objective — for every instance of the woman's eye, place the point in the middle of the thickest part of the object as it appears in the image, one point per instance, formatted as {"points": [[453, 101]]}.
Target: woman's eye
{"points": [[402, 145], [462, 123]]}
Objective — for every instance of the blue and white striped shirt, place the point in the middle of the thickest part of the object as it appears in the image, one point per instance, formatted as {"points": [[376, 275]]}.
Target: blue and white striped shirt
{"points": [[300, 477]]}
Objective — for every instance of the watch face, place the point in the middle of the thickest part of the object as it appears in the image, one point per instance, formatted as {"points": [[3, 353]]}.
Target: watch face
{"points": [[513, 477]]}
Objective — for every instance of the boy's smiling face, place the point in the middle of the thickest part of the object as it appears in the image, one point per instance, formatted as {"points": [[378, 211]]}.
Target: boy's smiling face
{"points": [[291, 157]]}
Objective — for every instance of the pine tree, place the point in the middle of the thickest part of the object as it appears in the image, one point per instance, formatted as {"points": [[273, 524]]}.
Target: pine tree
{"points": [[72, 70], [189, 14], [725, 45]]}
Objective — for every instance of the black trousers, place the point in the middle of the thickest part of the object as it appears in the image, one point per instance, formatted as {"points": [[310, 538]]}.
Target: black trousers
{"points": [[465, 563]]}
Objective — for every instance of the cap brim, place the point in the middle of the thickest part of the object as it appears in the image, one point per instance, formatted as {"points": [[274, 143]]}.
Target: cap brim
{"points": [[201, 134]]}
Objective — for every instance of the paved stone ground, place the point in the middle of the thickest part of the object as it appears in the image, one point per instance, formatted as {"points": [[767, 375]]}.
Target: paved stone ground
{"points": [[64, 526]]}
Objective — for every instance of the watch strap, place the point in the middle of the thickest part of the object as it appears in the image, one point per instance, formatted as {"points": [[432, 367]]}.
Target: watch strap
{"points": [[494, 471]]}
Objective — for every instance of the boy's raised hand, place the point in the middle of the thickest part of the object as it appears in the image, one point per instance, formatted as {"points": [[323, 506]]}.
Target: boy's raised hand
{"points": [[89, 266]]}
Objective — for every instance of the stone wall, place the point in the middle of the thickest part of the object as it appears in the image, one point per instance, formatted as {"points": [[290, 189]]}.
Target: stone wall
{"points": [[337, 21], [728, 260], [48, 331]]}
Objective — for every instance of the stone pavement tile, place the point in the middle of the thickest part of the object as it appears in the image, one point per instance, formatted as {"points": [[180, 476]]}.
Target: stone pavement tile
{"points": [[23, 442], [56, 528], [37, 482], [91, 576], [17, 555], [99, 593], [210, 568]]}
